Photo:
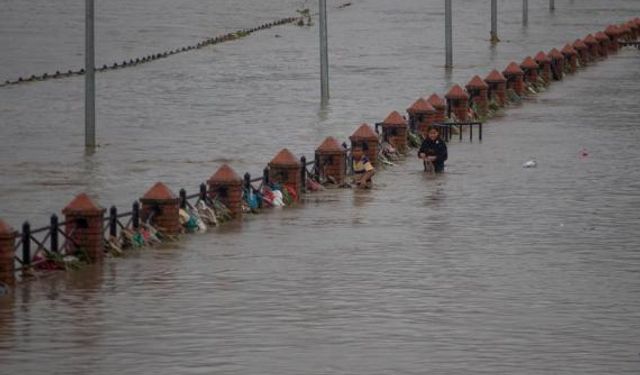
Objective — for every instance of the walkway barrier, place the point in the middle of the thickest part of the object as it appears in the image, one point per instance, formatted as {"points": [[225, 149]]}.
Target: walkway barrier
{"points": [[86, 234]]}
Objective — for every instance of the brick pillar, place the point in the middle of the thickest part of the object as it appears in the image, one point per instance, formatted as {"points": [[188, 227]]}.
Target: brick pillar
{"points": [[84, 220], [557, 64], [7, 253], [570, 57], [515, 78], [439, 105], [497, 87], [635, 30], [394, 131], [583, 52], [530, 68], [478, 91], [593, 46], [364, 134], [331, 161], [226, 186], [613, 32], [544, 66], [603, 41], [421, 116], [161, 206], [285, 169], [458, 103]]}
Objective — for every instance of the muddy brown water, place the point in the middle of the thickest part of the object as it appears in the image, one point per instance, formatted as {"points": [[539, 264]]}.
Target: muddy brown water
{"points": [[489, 268]]}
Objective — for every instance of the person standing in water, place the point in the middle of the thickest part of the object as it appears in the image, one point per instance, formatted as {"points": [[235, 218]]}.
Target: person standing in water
{"points": [[363, 170], [433, 150]]}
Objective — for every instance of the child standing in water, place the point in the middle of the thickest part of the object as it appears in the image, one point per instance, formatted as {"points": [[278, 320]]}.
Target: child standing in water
{"points": [[433, 150], [363, 171]]}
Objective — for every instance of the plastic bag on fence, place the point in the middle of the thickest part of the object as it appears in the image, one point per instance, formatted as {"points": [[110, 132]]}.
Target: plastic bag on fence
{"points": [[272, 197], [183, 217], [222, 212], [195, 217], [207, 215], [313, 185], [291, 192], [252, 199]]}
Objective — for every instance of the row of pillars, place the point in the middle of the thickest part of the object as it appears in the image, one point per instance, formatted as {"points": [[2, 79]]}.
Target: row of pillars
{"points": [[548, 66], [159, 206]]}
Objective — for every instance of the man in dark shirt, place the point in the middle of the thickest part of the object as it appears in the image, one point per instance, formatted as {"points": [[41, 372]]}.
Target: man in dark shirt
{"points": [[433, 150]]}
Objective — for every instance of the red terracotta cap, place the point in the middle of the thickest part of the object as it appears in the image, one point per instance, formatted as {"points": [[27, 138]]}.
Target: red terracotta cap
{"points": [[637, 21], [82, 204], [457, 92], [589, 39], [542, 57], [613, 30], [159, 192], [421, 106], [579, 44], [364, 132], [394, 119], [568, 50], [285, 158], [529, 63], [330, 144], [600, 36], [477, 83], [495, 76], [225, 174], [555, 54], [6, 231], [436, 101], [513, 69]]}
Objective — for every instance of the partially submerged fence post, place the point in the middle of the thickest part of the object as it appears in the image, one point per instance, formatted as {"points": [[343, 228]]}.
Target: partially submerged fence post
{"points": [[439, 105], [7, 253], [583, 52], [593, 46], [570, 57], [603, 41], [613, 32], [226, 186], [497, 87], [160, 208], [478, 91], [394, 131], [458, 103], [557, 64], [284, 169], [84, 220], [530, 69], [421, 116], [544, 67], [364, 134], [515, 78], [331, 161]]}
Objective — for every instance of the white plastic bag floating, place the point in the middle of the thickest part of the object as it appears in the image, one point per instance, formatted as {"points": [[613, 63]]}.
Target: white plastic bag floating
{"points": [[277, 198], [530, 164]]}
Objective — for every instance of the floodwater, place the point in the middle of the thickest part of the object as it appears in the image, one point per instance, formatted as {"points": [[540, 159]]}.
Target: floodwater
{"points": [[489, 268]]}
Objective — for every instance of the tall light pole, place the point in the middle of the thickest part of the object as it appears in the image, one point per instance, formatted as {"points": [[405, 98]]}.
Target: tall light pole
{"points": [[448, 34], [324, 53], [552, 5], [494, 21], [89, 80], [525, 12]]}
